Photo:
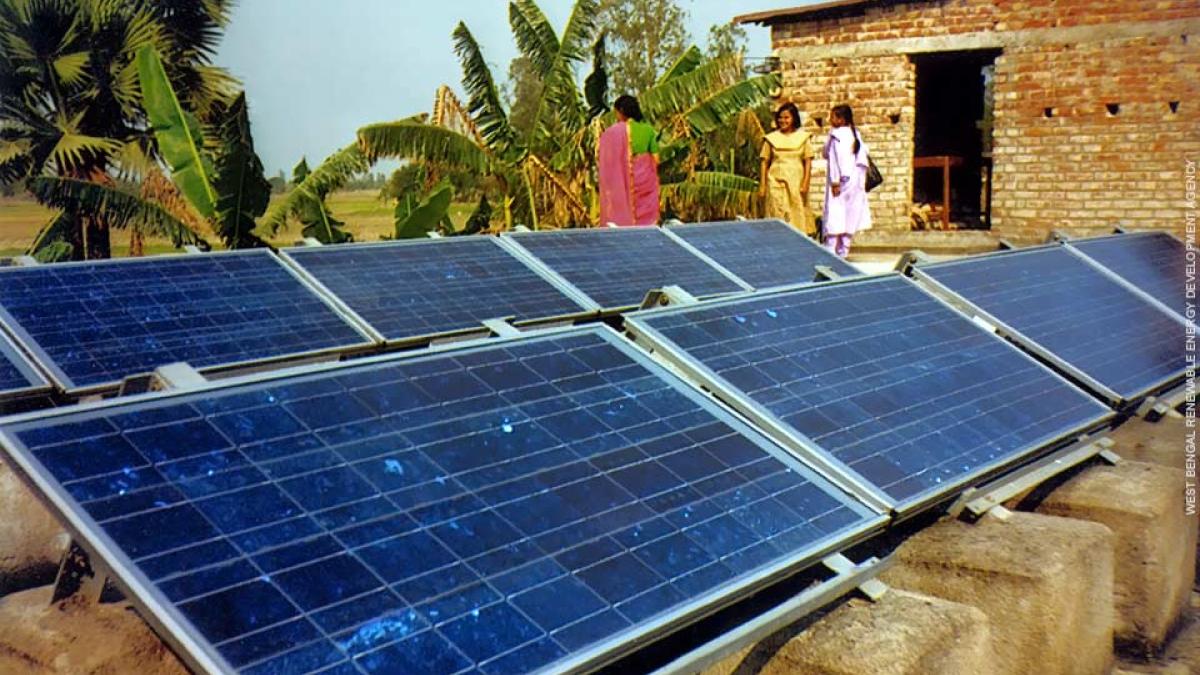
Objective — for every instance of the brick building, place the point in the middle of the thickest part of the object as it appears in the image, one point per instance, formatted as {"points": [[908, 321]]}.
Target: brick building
{"points": [[1083, 113]]}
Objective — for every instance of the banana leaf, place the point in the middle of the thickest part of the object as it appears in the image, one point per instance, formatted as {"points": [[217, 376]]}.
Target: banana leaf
{"points": [[179, 139]]}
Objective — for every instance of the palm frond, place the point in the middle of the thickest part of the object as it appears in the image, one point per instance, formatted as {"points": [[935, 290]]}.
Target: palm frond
{"points": [[243, 190], [679, 94], [313, 186], [686, 63], [116, 206], [73, 150], [51, 244], [483, 101], [407, 139], [534, 34], [71, 69], [727, 104], [708, 194], [579, 32]]}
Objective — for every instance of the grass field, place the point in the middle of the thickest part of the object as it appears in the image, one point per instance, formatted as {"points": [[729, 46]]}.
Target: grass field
{"points": [[366, 217]]}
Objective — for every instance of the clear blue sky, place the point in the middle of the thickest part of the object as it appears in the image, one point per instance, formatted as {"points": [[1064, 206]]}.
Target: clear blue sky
{"points": [[317, 70]]}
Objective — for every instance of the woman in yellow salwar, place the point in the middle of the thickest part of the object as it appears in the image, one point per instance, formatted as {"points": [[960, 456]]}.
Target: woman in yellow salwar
{"points": [[787, 169]]}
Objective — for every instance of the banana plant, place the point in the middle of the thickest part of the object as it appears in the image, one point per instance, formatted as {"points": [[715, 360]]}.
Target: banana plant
{"points": [[225, 187]]}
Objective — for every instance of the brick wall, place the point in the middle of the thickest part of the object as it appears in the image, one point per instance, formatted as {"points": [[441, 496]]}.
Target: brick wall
{"points": [[887, 82], [1083, 166]]}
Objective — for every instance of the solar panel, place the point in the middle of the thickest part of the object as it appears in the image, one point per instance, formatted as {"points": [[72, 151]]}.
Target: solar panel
{"points": [[617, 266], [543, 502], [422, 288], [18, 377], [876, 380], [91, 324], [763, 253], [1089, 324], [1153, 262]]}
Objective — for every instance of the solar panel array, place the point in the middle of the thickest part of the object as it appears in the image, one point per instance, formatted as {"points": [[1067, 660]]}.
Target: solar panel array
{"points": [[523, 505], [763, 253], [95, 323], [616, 267], [1093, 323], [422, 288], [1153, 262], [884, 379], [17, 375]]}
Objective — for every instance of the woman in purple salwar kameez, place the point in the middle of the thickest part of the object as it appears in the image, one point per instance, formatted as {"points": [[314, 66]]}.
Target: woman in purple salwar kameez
{"points": [[846, 209]]}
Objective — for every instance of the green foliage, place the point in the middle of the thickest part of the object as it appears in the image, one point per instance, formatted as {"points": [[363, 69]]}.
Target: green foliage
{"points": [[178, 134], [646, 37], [417, 221], [483, 100], [410, 139], [725, 39], [711, 196], [50, 243], [72, 103], [306, 201], [523, 91], [117, 206], [480, 219], [242, 191]]}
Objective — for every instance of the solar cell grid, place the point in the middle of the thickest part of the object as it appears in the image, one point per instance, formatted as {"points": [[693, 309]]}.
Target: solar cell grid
{"points": [[95, 323], [423, 288], [616, 267], [500, 509], [1153, 262], [879, 377], [763, 253], [1059, 303]]}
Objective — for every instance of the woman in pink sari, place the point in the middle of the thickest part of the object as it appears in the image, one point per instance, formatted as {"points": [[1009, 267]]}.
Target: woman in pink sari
{"points": [[846, 209], [627, 167]]}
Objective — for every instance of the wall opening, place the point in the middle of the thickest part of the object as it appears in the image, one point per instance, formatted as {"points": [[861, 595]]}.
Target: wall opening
{"points": [[953, 137]]}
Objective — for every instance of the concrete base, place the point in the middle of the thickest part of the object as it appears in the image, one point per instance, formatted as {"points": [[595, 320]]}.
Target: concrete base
{"points": [[1155, 543], [902, 634], [31, 540], [1158, 442], [1045, 584], [73, 637]]}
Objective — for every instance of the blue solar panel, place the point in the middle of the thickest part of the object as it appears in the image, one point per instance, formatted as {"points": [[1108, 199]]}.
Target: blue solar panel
{"points": [[1076, 313], [17, 375], [95, 323], [616, 267], [1154, 262], [763, 253], [878, 376], [533, 503], [428, 287]]}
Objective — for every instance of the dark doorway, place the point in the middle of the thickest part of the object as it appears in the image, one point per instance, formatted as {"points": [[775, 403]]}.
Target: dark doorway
{"points": [[954, 134]]}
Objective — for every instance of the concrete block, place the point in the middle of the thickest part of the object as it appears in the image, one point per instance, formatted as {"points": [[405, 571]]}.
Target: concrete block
{"points": [[1158, 442], [78, 637], [902, 634], [1045, 584], [1155, 543], [31, 540]]}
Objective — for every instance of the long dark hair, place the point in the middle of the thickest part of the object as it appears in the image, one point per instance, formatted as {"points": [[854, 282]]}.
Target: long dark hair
{"points": [[791, 108], [628, 106], [843, 111]]}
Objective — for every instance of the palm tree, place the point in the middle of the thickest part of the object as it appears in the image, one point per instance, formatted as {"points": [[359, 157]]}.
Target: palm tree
{"points": [[72, 121]]}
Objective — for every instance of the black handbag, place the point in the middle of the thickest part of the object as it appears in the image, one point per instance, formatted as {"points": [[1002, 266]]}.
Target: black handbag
{"points": [[874, 178]]}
